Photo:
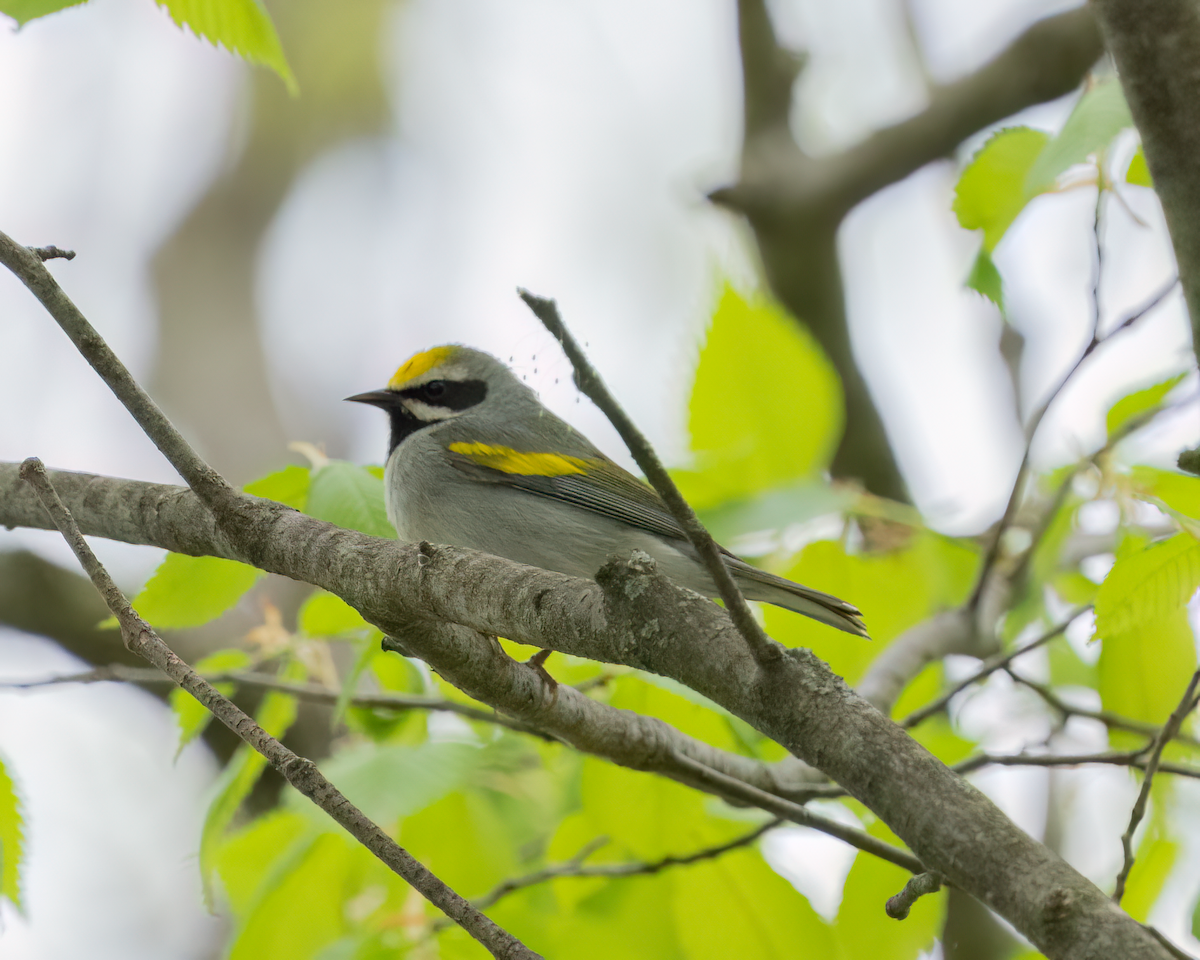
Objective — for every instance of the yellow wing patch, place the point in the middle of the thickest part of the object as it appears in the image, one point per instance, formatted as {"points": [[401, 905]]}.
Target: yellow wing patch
{"points": [[419, 364], [508, 460]]}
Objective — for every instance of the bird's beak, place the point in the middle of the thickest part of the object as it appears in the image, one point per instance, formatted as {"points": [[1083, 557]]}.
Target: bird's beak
{"points": [[378, 398]]}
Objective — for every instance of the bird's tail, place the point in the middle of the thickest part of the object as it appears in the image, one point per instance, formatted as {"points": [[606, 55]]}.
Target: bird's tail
{"points": [[759, 585]]}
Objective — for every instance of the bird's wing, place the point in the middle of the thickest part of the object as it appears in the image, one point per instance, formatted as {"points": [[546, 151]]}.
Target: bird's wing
{"points": [[591, 483]]}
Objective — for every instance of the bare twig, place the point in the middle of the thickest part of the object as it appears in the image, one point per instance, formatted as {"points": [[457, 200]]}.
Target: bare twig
{"points": [[589, 382], [1135, 759], [989, 666], [1186, 705], [921, 885], [53, 253], [787, 810], [209, 485], [1114, 721], [575, 867], [1035, 421], [313, 692], [302, 774]]}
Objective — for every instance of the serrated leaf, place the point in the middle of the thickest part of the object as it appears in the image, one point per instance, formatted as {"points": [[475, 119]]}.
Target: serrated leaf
{"points": [[326, 615], [191, 715], [985, 279], [766, 406], [1138, 173], [1139, 402], [350, 496], [288, 486], [991, 191], [11, 840], [275, 715], [1100, 115], [190, 591], [1148, 585], [25, 10], [368, 648], [242, 27]]}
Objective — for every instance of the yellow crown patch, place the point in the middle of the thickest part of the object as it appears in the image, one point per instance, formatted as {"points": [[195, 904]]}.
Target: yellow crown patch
{"points": [[508, 460], [419, 364]]}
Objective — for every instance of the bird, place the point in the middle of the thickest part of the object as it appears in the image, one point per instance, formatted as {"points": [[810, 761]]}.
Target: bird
{"points": [[476, 460]]}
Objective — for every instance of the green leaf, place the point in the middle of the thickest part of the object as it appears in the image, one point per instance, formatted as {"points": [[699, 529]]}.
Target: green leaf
{"points": [[275, 715], [25, 10], [191, 715], [350, 496], [766, 407], [327, 615], [1148, 585], [1176, 491], [991, 190], [12, 844], [1145, 669], [1100, 115], [242, 27], [190, 591], [985, 279], [737, 906], [288, 486], [1138, 173], [1155, 858], [1139, 402]]}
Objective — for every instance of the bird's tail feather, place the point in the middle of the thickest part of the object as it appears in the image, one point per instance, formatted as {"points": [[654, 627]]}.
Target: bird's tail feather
{"points": [[759, 585]]}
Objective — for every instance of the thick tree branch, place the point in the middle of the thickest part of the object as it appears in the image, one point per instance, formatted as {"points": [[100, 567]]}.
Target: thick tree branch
{"points": [[302, 774], [415, 593]]}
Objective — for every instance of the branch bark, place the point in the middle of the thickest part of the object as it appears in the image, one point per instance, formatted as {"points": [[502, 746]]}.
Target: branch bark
{"points": [[418, 593]]}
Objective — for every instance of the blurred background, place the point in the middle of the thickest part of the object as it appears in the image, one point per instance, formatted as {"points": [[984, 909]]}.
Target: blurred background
{"points": [[255, 257]]}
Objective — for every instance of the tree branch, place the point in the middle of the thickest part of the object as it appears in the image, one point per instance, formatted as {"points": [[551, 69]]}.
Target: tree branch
{"points": [[631, 616], [302, 774]]}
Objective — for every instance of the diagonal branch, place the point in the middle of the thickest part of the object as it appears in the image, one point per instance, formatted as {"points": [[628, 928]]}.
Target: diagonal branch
{"points": [[591, 385], [1186, 705], [302, 774]]}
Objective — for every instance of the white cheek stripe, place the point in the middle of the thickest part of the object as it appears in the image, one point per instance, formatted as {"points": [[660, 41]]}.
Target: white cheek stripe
{"points": [[427, 413]]}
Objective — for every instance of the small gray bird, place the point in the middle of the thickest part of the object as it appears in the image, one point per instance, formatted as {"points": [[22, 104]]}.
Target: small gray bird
{"points": [[476, 461]]}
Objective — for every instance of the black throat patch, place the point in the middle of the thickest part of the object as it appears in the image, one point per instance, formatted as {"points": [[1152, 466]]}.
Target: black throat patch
{"points": [[453, 396]]}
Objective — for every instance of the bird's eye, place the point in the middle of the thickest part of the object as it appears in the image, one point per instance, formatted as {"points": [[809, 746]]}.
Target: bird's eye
{"points": [[435, 389]]}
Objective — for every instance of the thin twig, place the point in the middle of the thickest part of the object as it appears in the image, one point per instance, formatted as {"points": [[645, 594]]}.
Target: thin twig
{"points": [[208, 485], [53, 253], [1135, 759], [990, 666], [576, 868], [140, 638], [923, 884], [1014, 498], [1186, 705], [1114, 721], [589, 382], [722, 783], [313, 692]]}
